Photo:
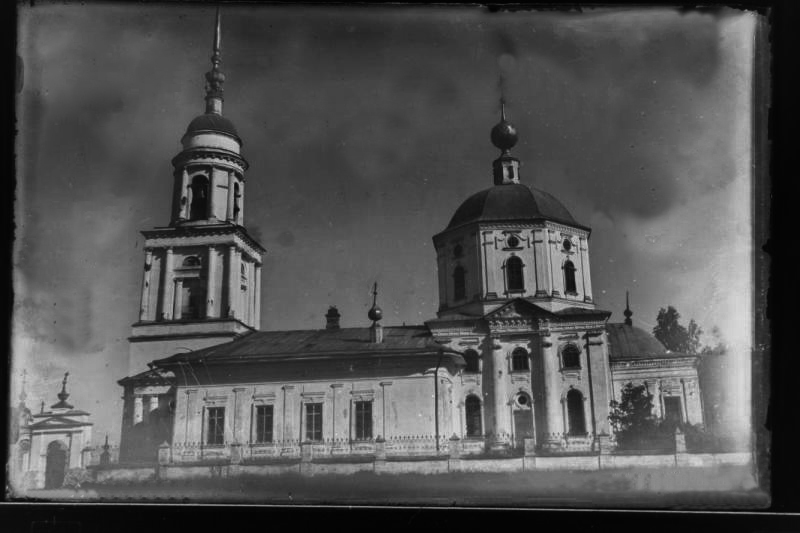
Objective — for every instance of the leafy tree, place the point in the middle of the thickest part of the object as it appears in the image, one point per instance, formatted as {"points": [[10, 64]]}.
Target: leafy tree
{"points": [[632, 417], [719, 347], [674, 335]]}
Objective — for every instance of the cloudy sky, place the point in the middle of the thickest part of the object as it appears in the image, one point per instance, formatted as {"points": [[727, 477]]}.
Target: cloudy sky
{"points": [[365, 128]]}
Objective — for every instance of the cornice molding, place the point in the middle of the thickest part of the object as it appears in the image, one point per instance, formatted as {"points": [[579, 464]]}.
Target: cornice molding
{"points": [[188, 232], [188, 156]]}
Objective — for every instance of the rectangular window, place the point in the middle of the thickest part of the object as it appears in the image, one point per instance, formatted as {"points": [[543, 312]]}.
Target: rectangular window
{"points": [[363, 420], [193, 298], [264, 423], [216, 426], [314, 421]]}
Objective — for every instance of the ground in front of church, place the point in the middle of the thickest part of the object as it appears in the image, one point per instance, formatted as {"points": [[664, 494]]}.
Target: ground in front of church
{"points": [[727, 487]]}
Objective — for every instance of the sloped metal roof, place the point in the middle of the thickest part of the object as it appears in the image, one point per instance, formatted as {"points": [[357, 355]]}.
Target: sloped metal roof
{"points": [[511, 202], [630, 342], [344, 341], [212, 122]]}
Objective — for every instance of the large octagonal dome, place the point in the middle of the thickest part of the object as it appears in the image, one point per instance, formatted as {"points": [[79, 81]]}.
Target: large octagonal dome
{"points": [[511, 202]]}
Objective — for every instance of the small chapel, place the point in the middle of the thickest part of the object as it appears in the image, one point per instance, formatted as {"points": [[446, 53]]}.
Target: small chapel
{"points": [[518, 354]]}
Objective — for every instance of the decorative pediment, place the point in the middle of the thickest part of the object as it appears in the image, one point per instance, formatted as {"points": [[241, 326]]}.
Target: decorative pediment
{"points": [[57, 423], [518, 308]]}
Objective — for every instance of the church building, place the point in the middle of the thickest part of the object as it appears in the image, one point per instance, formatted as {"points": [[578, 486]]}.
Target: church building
{"points": [[518, 355]]}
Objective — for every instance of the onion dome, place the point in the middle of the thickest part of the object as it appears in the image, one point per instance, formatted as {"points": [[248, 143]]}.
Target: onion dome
{"points": [[504, 134], [375, 312]]}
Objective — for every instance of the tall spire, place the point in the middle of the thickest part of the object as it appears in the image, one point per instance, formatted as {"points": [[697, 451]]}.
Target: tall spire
{"points": [[214, 78], [628, 313]]}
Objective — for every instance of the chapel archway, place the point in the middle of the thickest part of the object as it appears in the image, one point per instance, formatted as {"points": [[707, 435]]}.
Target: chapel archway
{"points": [[56, 467], [523, 419]]}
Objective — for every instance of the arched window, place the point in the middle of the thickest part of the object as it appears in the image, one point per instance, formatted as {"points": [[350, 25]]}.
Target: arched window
{"points": [[575, 415], [236, 196], [569, 278], [519, 360], [191, 261], [571, 356], [472, 359], [516, 282], [459, 283], [472, 406], [199, 207]]}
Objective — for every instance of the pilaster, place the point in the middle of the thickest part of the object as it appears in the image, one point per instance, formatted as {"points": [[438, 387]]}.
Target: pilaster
{"points": [[176, 299], [501, 425], [211, 279], [144, 311], [184, 200], [233, 282], [551, 379], [257, 296], [231, 217], [587, 278], [166, 285]]}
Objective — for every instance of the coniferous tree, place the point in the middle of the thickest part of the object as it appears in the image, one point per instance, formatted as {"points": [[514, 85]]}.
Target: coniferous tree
{"points": [[632, 417]]}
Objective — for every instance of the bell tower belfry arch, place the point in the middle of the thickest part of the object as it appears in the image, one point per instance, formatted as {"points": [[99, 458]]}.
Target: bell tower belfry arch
{"points": [[201, 279]]}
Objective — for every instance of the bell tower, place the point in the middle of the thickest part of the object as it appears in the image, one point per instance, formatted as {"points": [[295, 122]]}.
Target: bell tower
{"points": [[201, 279]]}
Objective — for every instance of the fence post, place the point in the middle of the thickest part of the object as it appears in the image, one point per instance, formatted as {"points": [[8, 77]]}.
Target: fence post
{"points": [[236, 453], [606, 446], [379, 463], [164, 454], [454, 461], [680, 448], [305, 458], [680, 441], [529, 454]]}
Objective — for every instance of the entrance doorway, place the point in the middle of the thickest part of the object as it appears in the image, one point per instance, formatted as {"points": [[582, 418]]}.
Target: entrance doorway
{"points": [[523, 420], [56, 467], [672, 410]]}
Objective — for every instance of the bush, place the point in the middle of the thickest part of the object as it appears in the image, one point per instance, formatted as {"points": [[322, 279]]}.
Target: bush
{"points": [[76, 477], [699, 439]]}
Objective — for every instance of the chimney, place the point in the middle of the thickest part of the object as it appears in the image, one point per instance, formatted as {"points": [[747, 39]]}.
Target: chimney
{"points": [[332, 318]]}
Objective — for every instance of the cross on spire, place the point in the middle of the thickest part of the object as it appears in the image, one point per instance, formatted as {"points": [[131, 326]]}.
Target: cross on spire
{"points": [[214, 78], [628, 313]]}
